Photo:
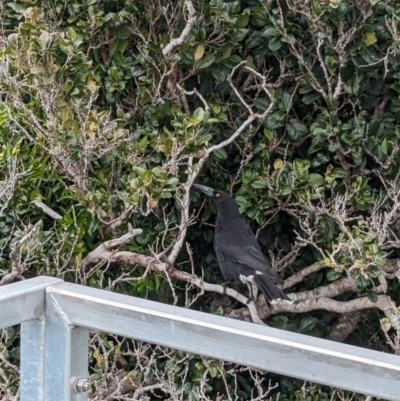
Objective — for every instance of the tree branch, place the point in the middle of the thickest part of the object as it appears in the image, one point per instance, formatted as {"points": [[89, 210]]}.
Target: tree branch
{"points": [[384, 303], [104, 252], [186, 31], [346, 324], [50, 212]]}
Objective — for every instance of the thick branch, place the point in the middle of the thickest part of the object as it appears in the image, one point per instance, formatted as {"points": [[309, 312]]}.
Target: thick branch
{"points": [[346, 324], [186, 31], [384, 303], [105, 250], [329, 291], [104, 253]]}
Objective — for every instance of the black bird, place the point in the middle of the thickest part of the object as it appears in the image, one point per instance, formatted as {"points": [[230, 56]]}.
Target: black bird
{"points": [[238, 253]]}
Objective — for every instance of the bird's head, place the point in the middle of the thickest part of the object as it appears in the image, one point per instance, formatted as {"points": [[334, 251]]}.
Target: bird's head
{"points": [[223, 202]]}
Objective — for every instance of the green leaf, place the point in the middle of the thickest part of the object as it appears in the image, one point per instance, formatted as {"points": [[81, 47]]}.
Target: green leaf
{"points": [[255, 39], [220, 72], [220, 311], [242, 20], [315, 180], [307, 324], [199, 52], [310, 98], [166, 195], [370, 38], [258, 17], [333, 275], [278, 164], [114, 46], [384, 147], [227, 52], [275, 44], [280, 322], [289, 39], [272, 32], [172, 182], [339, 172], [199, 366], [374, 272], [244, 383], [199, 114], [220, 154], [142, 239], [250, 62], [284, 191], [371, 236], [352, 85], [373, 248], [259, 183], [241, 201], [362, 282], [329, 227], [252, 212], [204, 138], [275, 120], [205, 61], [372, 296], [123, 32]]}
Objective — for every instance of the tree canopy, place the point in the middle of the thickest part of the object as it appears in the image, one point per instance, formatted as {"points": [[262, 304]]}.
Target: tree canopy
{"points": [[111, 110]]}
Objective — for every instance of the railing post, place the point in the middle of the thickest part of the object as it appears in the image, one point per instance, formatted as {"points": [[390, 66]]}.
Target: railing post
{"points": [[23, 302], [32, 360], [66, 355]]}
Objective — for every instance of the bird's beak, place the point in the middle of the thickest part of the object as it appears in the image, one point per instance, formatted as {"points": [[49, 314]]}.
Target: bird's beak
{"points": [[206, 190]]}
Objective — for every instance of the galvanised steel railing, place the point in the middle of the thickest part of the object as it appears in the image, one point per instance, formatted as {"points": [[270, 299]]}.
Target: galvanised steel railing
{"points": [[56, 317]]}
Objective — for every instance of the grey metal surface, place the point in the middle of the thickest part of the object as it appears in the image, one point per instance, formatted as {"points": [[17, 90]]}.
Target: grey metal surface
{"points": [[54, 341], [24, 300], [32, 360], [66, 354], [79, 360], [326, 362]]}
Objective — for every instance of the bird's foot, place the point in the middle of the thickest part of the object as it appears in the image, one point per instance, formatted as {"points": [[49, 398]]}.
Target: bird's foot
{"points": [[224, 286], [250, 299]]}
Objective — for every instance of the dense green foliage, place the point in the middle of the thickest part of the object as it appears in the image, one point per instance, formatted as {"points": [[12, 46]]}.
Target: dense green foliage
{"points": [[104, 123]]}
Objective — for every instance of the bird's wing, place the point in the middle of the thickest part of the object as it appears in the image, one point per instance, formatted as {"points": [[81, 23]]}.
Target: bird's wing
{"points": [[228, 267], [218, 252], [251, 257]]}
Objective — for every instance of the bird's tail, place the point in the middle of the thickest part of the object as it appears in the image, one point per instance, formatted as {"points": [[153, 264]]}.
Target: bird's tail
{"points": [[269, 288]]}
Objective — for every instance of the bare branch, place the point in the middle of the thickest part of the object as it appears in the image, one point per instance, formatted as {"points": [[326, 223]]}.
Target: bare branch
{"points": [[198, 94], [105, 250], [345, 325], [49, 211], [384, 303], [186, 31]]}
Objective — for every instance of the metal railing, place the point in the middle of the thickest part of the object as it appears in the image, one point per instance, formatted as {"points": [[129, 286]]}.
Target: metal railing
{"points": [[56, 317]]}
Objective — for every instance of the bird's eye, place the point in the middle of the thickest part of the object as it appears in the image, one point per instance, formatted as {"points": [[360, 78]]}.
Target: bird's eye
{"points": [[217, 194]]}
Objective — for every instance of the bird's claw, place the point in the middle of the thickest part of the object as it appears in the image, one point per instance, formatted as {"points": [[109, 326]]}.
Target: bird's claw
{"points": [[224, 286], [250, 299]]}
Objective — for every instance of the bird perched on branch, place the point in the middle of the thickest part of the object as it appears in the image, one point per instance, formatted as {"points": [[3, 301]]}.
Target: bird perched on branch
{"points": [[238, 253]]}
